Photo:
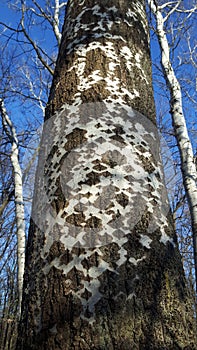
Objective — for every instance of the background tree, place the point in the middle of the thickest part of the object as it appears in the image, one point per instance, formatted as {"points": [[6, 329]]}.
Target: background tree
{"points": [[25, 53], [180, 129], [174, 24], [118, 287], [18, 194], [9, 297]]}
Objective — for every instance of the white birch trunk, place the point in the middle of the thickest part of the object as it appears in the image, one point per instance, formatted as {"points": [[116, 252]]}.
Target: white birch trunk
{"points": [[188, 167], [56, 22], [19, 204]]}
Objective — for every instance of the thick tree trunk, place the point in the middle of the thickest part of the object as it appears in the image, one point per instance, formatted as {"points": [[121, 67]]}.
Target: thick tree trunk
{"points": [[102, 269]]}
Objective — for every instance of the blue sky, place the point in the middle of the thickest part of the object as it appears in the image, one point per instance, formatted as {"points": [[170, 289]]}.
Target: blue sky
{"points": [[6, 14]]}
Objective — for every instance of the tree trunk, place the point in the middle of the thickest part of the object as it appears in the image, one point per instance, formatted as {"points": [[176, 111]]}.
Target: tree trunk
{"points": [[188, 167], [102, 266], [18, 194]]}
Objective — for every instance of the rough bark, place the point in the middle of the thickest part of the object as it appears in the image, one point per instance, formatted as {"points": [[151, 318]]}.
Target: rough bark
{"points": [[106, 274]]}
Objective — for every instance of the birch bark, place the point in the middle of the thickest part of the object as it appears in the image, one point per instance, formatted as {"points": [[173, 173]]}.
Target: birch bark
{"points": [[188, 167], [18, 195]]}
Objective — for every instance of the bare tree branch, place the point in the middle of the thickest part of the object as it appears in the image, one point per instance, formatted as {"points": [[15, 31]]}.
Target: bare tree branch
{"points": [[35, 47]]}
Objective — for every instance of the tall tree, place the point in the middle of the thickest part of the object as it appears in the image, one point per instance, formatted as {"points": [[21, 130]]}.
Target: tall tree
{"points": [[19, 203], [103, 269], [188, 167]]}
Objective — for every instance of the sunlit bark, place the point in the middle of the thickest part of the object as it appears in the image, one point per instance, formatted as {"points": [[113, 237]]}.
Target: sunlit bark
{"points": [[188, 167], [18, 194], [102, 267]]}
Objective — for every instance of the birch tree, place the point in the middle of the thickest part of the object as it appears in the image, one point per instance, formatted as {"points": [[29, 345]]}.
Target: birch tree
{"points": [[103, 270], [188, 167], [18, 194], [24, 83]]}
